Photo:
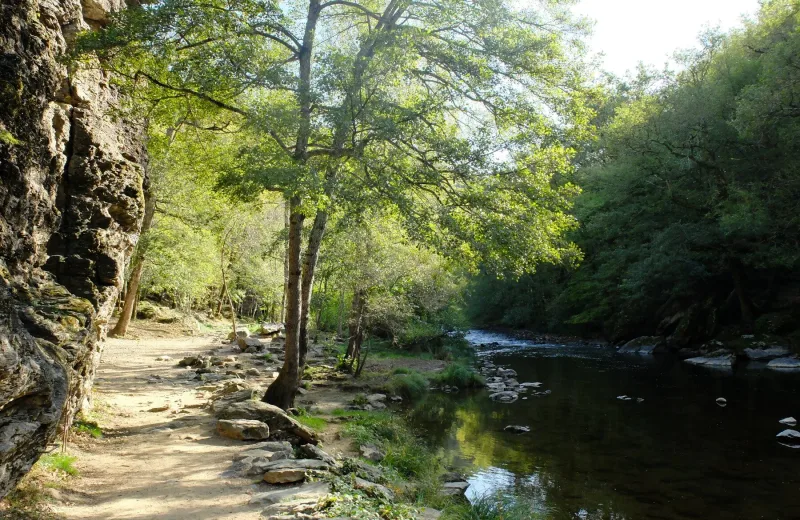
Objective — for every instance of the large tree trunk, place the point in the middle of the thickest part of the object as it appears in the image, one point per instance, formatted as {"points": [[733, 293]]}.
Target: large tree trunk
{"points": [[745, 306], [281, 392], [309, 267], [121, 328], [285, 263]]}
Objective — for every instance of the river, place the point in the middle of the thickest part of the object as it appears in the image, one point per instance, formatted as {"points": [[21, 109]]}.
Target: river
{"points": [[675, 455]]}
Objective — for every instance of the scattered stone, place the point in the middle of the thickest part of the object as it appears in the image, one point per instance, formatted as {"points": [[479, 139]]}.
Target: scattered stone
{"points": [[643, 345], [371, 452], [246, 343], [162, 408], [515, 428], [243, 429], [253, 372], [163, 358], [640, 399], [430, 514], [530, 385], [789, 421], [291, 470], [721, 401], [376, 398], [290, 509]]}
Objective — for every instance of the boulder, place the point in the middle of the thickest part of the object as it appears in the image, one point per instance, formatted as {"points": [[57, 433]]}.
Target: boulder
{"points": [[373, 489], [240, 333], [313, 452], [784, 363], [249, 343], [276, 418], [515, 428], [788, 421], [243, 429], [291, 470], [766, 354], [371, 452], [454, 488], [284, 476], [642, 345]]}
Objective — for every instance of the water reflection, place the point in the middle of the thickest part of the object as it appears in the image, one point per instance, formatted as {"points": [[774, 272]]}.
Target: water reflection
{"points": [[676, 455]]}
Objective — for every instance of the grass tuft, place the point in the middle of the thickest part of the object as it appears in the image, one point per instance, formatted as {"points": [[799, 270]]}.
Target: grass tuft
{"points": [[411, 386], [59, 462], [88, 427], [459, 375], [493, 507]]}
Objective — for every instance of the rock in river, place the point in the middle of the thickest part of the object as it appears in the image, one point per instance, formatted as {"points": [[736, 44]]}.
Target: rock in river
{"points": [[516, 428], [785, 363], [766, 354], [790, 438], [505, 397], [712, 362], [788, 421]]}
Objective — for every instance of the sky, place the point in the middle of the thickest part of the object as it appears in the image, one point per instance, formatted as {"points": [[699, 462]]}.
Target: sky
{"points": [[630, 31]]}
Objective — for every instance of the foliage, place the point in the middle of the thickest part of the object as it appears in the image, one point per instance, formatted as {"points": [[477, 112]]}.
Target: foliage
{"points": [[346, 501], [306, 419], [688, 202]]}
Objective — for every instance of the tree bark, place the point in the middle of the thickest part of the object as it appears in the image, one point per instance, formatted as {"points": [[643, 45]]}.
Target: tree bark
{"points": [[356, 326], [281, 392], [745, 306], [285, 264], [121, 328], [309, 267]]}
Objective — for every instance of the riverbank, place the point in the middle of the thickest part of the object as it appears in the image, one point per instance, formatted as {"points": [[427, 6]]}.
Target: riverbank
{"points": [[152, 448]]}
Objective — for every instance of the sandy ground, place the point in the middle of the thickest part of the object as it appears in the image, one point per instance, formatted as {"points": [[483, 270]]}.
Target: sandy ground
{"points": [[167, 464], [160, 457]]}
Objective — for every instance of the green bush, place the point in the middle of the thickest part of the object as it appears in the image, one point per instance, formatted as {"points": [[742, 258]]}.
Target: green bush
{"points": [[459, 375], [411, 386]]}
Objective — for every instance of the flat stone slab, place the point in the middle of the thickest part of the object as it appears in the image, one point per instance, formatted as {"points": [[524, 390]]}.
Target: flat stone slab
{"points": [[454, 488], [766, 354], [311, 490], [303, 464], [285, 476]]}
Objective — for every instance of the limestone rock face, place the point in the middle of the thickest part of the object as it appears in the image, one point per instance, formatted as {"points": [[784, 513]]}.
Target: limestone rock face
{"points": [[72, 186]]}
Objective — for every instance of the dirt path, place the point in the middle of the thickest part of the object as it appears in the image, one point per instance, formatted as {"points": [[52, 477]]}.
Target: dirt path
{"points": [[168, 464]]}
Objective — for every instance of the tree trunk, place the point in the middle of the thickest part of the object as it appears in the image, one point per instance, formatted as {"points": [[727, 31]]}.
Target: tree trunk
{"points": [[121, 328], [745, 306], [356, 326], [281, 392], [309, 267], [341, 314], [222, 292], [285, 264]]}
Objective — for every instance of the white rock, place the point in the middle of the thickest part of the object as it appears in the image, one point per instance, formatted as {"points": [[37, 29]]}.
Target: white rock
{"points": [[788, 421]]}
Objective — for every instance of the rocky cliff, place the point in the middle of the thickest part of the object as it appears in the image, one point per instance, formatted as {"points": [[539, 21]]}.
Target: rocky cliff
{"points": [[72, 186]]}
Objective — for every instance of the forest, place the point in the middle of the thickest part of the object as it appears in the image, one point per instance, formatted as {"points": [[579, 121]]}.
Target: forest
{"points": [[409, 247]]}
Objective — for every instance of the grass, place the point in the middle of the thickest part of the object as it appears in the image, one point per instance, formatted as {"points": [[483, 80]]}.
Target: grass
{"points": [[459, 375], [493, 507], [411, 386], [59, 462], [315, 423], [88, 427]]}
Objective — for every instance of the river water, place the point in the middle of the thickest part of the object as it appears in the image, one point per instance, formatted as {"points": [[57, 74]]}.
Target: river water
{"points": [[675, 455]]}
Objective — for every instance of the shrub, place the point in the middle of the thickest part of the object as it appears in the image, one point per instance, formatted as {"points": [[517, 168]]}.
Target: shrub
{"points": [[89, 427], [459, 375]]}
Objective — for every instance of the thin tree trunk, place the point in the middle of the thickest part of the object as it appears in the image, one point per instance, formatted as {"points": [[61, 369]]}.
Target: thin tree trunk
{"points": [[227, 291], [309, 267], [121, 328], [356, 326], [745, 306], [221, 299], [281, 392]]}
